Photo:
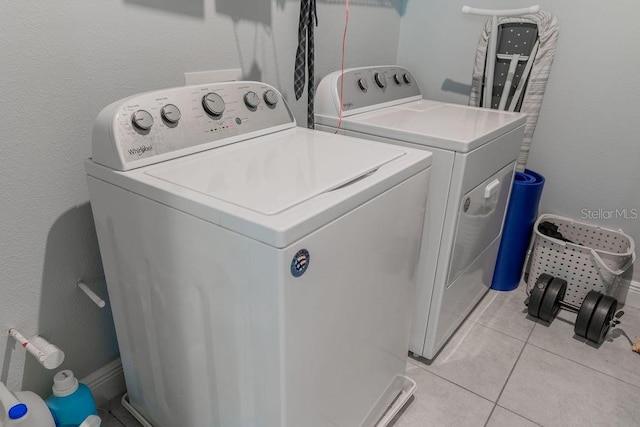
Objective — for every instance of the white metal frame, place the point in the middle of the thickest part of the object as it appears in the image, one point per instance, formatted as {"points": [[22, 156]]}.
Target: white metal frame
{"points": [[491, 54]]}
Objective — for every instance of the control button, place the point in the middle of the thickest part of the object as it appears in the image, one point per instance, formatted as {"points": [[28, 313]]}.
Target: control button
{"points": [[381, 80], [407, 78], [397, 78], [270, 97], [213, 104], [251, 100], [142, 120], [363, 84], [171, 113]]}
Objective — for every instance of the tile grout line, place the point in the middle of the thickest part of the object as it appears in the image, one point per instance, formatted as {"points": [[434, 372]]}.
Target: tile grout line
{"points": [[501, 332], [515, 413], [576, 362], [477, 322], [583, 365], [113, 404], [422, 366], [513, 368], [451, 382], [115, 417]]}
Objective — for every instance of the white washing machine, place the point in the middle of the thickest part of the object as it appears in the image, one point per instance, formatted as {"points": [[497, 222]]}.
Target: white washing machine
{"points": [[250, 281], [474, 155]]}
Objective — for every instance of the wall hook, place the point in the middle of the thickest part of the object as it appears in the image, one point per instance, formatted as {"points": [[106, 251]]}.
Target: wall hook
{"points": [[46, 353], [94, 297]]}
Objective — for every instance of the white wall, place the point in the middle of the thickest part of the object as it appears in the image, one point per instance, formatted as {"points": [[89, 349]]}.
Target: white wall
{"points": [[587, 141], [60, 64]]}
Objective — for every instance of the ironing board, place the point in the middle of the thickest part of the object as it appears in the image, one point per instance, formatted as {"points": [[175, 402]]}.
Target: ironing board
{"points": [[522, 48]]}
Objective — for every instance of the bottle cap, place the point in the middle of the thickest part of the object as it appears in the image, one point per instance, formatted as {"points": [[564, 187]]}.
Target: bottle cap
{"points": [[64, 383], [18, 411]]}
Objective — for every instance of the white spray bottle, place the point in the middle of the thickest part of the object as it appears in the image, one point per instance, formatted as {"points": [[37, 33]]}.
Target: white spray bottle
{"points": [[23, 409]]}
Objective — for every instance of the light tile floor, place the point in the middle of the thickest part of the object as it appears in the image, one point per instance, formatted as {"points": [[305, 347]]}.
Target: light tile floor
{"points": [[501, 369]]}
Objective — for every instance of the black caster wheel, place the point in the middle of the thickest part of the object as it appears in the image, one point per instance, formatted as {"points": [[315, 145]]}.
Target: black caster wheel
{"points": [[601, 319], [553, 294], [585, 313], [537, 295]]}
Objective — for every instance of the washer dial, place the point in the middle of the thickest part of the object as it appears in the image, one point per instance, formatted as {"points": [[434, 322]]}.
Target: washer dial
{"points": [[171, 113], [270, 97], [142, 120], [251, 100], [397, 78], [213, 104], [363, 84], [381, 80], [407, 78]]}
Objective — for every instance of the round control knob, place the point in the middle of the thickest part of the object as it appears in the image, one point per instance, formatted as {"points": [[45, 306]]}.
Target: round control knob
{"points": [[142, 120], [213, 104], [270, 97], [381, 80], [171, 113], [363, 84], [407, 78], [251, 100], [397, 78]]}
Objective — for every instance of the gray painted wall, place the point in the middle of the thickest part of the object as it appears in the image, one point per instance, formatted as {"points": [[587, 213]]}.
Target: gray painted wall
{"points": [[586, 143], [60, 64]]}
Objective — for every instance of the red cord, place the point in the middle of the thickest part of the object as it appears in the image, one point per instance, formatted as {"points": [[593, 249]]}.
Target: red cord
{"points": [[344, 40]]}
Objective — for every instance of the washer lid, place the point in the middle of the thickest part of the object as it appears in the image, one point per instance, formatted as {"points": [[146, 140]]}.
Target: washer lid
{"points": [[435, 124], [274, 173]]}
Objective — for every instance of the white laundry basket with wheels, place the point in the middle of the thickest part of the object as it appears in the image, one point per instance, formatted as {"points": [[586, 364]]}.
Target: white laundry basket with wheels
{"points": [[594, 259]]}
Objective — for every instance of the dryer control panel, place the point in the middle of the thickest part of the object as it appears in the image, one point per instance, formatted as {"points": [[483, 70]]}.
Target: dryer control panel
{"points": [[165, 124], [365, 89]]}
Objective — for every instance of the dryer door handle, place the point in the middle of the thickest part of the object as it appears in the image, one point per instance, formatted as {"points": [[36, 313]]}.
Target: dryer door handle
{"points": [[491, 188]]}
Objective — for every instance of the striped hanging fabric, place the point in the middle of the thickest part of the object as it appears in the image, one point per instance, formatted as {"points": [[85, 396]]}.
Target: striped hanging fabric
{"points": [[305, 55]]}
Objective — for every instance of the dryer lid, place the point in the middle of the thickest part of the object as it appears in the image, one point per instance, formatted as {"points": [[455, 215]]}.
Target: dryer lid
{"points": [[276, 172]]}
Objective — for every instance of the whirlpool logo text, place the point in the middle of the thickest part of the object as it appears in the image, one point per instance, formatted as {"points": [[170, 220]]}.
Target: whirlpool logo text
{"points": [[140, 150]]}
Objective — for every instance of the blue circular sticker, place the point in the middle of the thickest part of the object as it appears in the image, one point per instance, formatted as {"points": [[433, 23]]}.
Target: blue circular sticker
{"points": [[300, 262]]}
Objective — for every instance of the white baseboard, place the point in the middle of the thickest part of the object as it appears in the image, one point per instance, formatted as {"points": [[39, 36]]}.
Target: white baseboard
{"points": [[633, 297], [107, 382]]}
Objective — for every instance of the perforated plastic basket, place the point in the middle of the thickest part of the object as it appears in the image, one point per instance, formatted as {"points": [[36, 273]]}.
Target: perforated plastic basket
{"points": [[594, 261]]}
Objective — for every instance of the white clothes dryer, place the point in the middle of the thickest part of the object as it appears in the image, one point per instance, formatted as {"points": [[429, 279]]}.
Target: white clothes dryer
{"points": [[250, 280], [474, 156]]}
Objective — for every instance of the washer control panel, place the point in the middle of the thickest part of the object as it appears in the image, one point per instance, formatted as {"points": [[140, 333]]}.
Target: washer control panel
{"points": [[165, 124], [364, 88]]}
